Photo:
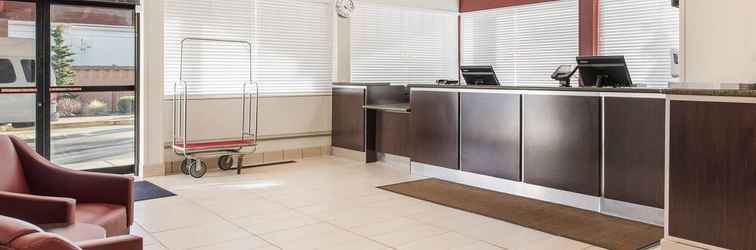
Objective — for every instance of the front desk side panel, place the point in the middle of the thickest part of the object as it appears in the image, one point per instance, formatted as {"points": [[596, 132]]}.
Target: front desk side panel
{"points": [[392, 133], [712, 179], [348, 119], [562, 142], [490, 134], [435, 128]]}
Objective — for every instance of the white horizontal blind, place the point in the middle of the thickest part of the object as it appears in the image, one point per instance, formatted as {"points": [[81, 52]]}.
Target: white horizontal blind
{"points": [[524, 43], [294, 40], [645, 32], [208, 65], [292, 45], [402, 45]]}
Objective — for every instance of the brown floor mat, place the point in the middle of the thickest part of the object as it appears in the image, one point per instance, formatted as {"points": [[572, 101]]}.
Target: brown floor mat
{"points": [[590, 227]]}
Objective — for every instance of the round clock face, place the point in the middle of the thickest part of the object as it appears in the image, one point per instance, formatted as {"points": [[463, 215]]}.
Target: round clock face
{"points": [[344, 8]]}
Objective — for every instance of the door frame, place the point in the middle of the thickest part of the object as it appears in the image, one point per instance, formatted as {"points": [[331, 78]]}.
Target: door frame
{"points": [[44, 91]]}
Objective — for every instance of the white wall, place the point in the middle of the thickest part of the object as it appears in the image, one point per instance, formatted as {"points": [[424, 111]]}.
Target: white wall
{"points": [[283, 116], [719, 41], [151, 91]]}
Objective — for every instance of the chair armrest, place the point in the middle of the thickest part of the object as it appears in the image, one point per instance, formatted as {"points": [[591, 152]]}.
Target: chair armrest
{"points": [[38, 209], [46, 178], [127, 242]]}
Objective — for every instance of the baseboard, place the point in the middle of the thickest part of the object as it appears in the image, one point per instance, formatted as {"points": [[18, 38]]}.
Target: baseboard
{"points": [[349, 154], [630, 211], [581, 201]]}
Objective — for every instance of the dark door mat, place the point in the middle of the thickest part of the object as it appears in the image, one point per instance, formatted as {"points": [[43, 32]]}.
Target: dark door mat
{"points": [[145, 190], [582, 225]]}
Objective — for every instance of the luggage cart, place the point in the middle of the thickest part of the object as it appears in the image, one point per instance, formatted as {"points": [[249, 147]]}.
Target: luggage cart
{"points": [[193, 150]]}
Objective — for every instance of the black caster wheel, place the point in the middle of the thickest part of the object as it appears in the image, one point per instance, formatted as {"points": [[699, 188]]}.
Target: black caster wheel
{"points": [[197, 168], [226, 162], [184, 168]]}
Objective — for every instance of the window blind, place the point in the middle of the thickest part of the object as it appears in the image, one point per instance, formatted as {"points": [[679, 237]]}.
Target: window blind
{"points": [[524, 43], [292, 46], [403, 45], [645, 32], [294, 40]]}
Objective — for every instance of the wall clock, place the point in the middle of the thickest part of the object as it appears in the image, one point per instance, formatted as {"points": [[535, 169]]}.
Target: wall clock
{"points": [[344, 8]]}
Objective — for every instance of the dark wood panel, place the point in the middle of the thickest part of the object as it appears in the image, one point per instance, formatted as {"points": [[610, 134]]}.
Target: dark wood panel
{"points": [[393, 133], [435, 128], [348, 119], [562, 147], [713, 173], [634, 150], [490, 132], [377, 95]]}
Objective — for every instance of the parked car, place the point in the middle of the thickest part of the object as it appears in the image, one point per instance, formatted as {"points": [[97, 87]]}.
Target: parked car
{"points": [[17, 69]]}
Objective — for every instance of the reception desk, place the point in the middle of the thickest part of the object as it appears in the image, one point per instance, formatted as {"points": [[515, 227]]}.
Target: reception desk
{"points": [[681, 158]]}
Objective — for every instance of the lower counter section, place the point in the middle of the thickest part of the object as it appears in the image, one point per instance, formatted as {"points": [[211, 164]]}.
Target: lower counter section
{"points": [[562, 142], [435, 128]]}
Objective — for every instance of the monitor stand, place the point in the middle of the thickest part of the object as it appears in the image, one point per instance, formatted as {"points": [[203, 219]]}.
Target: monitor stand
{"points": [[601, 81]]}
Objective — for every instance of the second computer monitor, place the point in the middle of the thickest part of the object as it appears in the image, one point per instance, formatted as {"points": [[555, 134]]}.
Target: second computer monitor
{"points": [[479, 75], [602, 71]]}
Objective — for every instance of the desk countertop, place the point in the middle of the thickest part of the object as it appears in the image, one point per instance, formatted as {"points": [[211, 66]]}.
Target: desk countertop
{"points": [[669, 91], [394, 107]]}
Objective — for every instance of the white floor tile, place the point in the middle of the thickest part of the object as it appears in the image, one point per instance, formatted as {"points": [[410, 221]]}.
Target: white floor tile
{"points": [[316, 236], [408, 234], [449, 240], [273, 222], [203, 235], [171, 213], [250, 243]]}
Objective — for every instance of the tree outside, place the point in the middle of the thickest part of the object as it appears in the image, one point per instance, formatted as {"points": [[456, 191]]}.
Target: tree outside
{"points": [[62, 59]]}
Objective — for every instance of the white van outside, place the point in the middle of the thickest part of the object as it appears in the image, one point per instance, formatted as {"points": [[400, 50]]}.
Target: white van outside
{"points": [[17, 69]]}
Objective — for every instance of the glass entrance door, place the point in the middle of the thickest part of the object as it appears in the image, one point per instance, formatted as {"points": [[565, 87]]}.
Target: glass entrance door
{"points": [[93, 59], [18, 92], [87, 117]]}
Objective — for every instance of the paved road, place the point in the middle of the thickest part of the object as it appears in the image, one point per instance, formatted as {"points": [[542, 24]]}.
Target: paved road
{"points": [[94, 147]]}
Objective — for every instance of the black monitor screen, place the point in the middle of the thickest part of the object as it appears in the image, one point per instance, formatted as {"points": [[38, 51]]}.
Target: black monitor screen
{"points": [[604, 71], [479, 75]]}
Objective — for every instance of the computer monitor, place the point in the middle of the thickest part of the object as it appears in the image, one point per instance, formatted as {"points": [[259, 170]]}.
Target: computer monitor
{"points": [[601, 71], [479, 75]]}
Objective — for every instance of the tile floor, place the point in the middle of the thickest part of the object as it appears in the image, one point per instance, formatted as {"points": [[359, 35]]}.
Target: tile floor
{"points": [[318, 203]]}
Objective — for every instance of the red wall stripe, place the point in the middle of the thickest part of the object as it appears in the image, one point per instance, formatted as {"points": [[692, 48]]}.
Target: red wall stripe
{"points": [[589, 27], [474, 5]]}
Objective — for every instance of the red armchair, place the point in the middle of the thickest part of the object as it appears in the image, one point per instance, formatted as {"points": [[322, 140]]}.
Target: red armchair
{"points": [[37, 191], [20, 235]]}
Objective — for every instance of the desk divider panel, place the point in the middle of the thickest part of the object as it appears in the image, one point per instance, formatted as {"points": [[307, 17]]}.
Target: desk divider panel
{"points": [[435, 128], [562, 142], [490, 134]]}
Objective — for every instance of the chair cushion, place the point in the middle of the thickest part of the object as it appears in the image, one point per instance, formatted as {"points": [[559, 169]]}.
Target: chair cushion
{"points": [[42, 241], [110, 217], [12, 177]]}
